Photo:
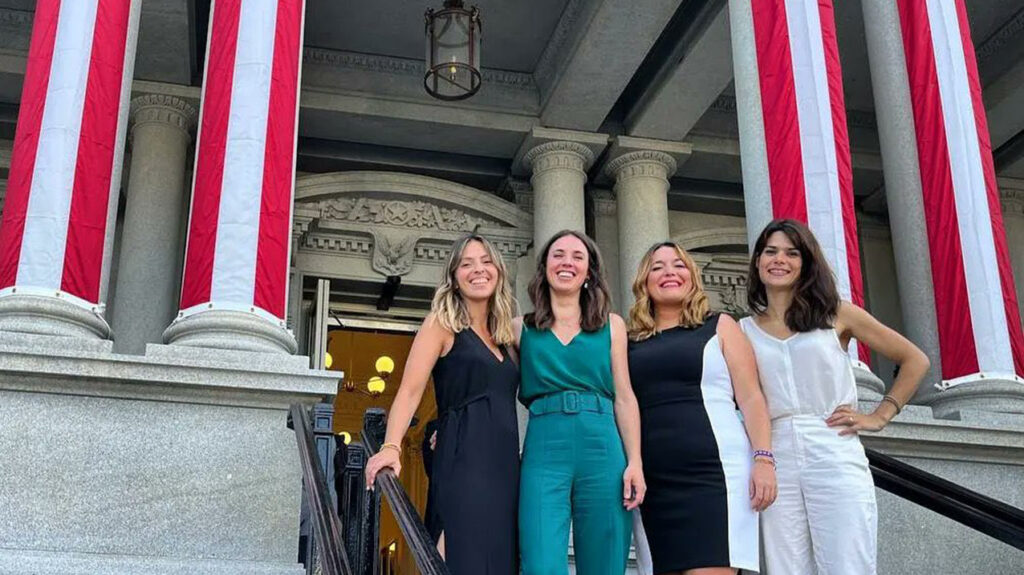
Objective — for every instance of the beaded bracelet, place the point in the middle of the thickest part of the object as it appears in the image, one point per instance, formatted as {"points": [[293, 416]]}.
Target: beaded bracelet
{"points": [[764, 453]]}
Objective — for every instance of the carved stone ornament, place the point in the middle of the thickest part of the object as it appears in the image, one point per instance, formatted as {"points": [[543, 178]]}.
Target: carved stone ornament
{"points": [[393, 253], [405, 214]]}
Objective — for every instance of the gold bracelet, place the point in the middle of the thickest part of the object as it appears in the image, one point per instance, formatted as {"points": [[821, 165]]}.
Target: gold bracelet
{"points": [[390, 446], [894, 403]]}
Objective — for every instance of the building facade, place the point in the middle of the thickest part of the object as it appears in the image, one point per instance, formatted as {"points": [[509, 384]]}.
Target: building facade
{"points": [[145, 416]]}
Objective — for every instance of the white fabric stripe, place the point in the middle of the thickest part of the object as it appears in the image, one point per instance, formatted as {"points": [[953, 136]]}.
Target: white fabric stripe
{"points": [[41, 262], [736, 461], [131, 40], [757, 188], [238, 222], [984, 287], [817, 136], [817, 140]]}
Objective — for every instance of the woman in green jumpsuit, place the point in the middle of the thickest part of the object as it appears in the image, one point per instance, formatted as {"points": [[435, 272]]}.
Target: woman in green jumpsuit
{"points": [[581, 459]]}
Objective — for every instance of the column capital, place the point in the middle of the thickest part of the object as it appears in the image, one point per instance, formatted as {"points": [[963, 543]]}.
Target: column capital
{"points": [[546, 148], [640, 157], [163, 109]]}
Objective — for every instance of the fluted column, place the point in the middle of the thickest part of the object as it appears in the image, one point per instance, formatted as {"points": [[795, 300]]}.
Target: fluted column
{"points": [[146, 298], [640, 169]]}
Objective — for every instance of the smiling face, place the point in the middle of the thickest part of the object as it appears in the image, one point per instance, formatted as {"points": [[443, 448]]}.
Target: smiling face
{"points": [[567, 265], [476, 273], [669, 282], [780, 262]]}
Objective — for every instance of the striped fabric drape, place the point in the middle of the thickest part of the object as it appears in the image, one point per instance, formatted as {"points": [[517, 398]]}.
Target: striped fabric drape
{"points": [[56, 233], [806, 145], [975, 302], [238, 249]]}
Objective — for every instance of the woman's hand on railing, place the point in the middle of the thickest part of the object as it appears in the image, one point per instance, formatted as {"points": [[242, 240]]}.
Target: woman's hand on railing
{"points": [[384, 458]]}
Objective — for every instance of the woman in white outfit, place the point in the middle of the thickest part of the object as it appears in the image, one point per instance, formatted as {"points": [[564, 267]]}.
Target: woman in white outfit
{"points": [[824, 520]]}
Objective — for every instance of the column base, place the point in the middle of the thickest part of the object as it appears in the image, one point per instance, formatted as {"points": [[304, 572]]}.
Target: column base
{"points": [[233, 330], [989, 394], [869, 386], [46, 315]]}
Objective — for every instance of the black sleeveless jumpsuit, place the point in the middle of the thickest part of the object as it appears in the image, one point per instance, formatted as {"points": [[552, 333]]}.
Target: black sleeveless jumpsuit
{"points": [[475, 481]]}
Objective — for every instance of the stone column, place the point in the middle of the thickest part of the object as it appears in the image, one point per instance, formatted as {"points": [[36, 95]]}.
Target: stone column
{"points": [[910, 240], [557, 162], [1011, 192], [146, 298], [641, 169]]}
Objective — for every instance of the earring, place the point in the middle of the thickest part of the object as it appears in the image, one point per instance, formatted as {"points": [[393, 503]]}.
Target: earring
{"points": [[586, 284]]}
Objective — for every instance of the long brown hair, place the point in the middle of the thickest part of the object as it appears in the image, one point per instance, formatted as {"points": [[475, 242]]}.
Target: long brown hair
{"points": [[449, 308], [595, 299], [815, 297], [641, 315]]}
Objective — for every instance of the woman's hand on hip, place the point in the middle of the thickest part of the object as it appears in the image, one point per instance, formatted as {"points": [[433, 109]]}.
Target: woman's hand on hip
{"points": [[763, 486], [383, 458], [634, 488], [850, 421]]}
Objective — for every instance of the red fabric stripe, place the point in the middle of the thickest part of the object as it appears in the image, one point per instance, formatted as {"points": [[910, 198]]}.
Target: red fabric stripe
{"points": [[278, 163], [843, 162], [216, 105], [90, 196], [992, 191], [778, 107], [956, 333], [26, 140]]}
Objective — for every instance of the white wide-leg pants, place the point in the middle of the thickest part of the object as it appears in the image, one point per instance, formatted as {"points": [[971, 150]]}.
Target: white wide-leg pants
{"points": [[825, 520]]}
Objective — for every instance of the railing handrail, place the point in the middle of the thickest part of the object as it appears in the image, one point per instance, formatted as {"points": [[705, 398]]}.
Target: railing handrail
{"points": [[424, 552], [326, 525], [979, 512]]}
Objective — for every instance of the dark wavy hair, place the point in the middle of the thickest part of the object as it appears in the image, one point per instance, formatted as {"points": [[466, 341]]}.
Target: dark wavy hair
{"points": [[815, 297], [595, 299]]}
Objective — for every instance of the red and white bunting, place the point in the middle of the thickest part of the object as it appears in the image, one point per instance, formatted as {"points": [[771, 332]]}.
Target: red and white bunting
{"points": [[975, 303], [62, 190], [806, 141], [239, 238]]}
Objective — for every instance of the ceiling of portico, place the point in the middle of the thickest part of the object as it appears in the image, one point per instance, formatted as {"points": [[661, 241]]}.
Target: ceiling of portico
{"points": [[514, 32]]}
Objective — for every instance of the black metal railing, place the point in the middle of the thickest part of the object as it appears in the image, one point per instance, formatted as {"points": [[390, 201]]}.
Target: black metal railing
{"points": [[331, 554], [984, 514], [421, 545]]}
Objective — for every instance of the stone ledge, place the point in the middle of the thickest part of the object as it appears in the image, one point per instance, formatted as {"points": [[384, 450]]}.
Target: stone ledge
{"points": [[16, 562], [166, 373], [980, 437]]}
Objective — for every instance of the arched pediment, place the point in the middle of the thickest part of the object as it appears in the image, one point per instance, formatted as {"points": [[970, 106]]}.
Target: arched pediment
{"points": [[711, 237], [463, 206]]}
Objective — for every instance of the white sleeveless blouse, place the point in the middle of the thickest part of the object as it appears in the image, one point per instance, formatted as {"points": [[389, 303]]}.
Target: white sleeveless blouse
{"points": [[808, 373]]}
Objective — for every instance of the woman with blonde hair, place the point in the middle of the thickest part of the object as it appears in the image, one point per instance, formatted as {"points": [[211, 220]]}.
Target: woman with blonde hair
{"points": [[463, 344], [707, 476]]}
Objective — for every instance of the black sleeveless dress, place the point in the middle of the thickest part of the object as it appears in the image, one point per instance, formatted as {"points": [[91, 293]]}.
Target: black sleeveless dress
{"points": [[475, 482]]}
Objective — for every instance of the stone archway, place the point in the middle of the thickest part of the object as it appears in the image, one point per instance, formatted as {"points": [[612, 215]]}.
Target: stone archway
{"points": [[722, 256]]}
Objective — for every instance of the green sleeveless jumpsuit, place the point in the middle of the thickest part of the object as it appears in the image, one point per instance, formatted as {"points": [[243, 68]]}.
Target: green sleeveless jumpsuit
{"points": [[573, 457]]}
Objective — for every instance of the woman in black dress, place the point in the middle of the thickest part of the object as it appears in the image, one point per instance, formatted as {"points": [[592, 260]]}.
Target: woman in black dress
{"points": [[707, 476], [462, 343]]}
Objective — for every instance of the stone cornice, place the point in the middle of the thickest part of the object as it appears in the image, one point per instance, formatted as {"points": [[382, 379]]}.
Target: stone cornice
{"points": [[405, 67], [163, 109], [565, 155], [642, 163], [555, 51], [1012, 201], [855, 118]]}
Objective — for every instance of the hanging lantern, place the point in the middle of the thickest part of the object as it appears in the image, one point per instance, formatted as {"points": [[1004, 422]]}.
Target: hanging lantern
{"points": [[453, 51]]}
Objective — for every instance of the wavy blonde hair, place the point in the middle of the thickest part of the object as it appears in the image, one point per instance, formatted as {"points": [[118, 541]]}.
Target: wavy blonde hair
{"points": [[449, 308], [695, 304]]}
